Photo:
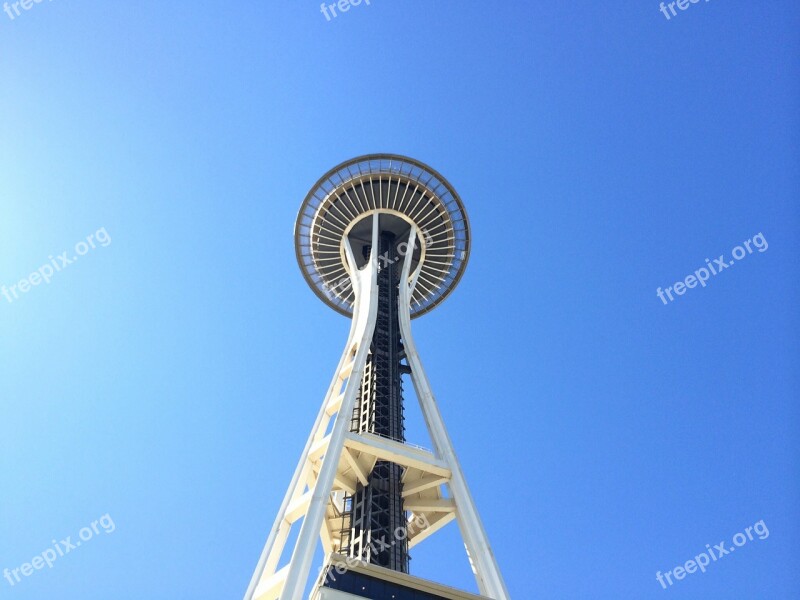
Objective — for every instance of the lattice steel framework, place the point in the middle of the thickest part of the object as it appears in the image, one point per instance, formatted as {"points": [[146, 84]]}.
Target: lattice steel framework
{"points": [[382, 239]]}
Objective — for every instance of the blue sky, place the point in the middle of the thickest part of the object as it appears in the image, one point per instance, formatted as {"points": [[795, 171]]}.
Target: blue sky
{"points": [[169, 378]]}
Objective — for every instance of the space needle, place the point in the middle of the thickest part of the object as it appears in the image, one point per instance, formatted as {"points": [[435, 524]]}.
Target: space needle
{"points": [[381, 239]]}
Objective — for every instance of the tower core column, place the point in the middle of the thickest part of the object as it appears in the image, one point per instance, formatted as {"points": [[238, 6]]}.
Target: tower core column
{"points": [[374, 514]]}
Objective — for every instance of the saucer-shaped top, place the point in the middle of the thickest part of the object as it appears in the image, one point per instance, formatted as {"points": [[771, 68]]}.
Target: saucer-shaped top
{"points": [[406, 193]]}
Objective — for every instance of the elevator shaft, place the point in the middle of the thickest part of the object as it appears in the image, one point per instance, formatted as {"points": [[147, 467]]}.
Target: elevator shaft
{"points": [[374, 518]]}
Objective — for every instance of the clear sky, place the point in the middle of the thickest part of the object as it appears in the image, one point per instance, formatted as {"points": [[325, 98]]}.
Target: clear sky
{"points": [[169, 377]]}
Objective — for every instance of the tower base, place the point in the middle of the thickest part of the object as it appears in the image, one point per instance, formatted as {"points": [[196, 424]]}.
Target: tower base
{"points": [[346, 579]]}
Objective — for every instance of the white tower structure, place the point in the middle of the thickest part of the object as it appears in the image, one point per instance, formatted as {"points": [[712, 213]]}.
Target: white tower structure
{"points": [[381, 239]]}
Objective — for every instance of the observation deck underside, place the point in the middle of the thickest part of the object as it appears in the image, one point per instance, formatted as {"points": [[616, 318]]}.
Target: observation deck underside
{"points": [[406, 193]]}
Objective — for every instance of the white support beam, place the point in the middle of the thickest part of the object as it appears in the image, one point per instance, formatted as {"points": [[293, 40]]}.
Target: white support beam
{"points": [[298, 507], [365, 284], [326, 537], [271, 587], [396, 452], [346, 370], [318, 449], [345, 483], [430, 505], [334, 405], [425, 482], [436, 522], [340, 481], [274, 557], [360, 472], [487, 573]]}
